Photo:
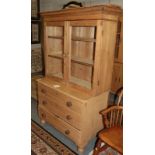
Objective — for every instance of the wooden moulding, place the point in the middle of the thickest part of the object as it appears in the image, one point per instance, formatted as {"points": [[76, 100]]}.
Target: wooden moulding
{"points": [[107, 12]]}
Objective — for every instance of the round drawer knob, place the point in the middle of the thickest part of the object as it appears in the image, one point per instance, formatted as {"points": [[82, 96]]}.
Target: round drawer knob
{"points": [[44, 102], [67, 132], [68, 117], [69, 104], [43, 115], [43, 91]]}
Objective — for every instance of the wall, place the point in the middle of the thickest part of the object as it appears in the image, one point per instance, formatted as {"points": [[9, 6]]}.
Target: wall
{"points": [[47, 5]]}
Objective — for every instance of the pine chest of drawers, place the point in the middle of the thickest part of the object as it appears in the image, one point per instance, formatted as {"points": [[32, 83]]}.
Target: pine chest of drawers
{"points": [[71, 111]]}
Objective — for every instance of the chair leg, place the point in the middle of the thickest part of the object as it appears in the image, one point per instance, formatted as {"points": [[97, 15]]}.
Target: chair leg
{"points": [[99, 148], [103, 148]]}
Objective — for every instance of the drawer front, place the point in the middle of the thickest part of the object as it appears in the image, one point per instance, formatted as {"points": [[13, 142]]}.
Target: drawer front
{"points": [[60, 125], [61, 98], [68, 115]]}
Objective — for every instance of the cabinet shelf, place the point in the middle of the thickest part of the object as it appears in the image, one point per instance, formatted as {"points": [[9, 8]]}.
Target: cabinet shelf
{"points": [[59, 56], [59, 75], [55, 37], [82, 61], [84, 39], [80, 82]]}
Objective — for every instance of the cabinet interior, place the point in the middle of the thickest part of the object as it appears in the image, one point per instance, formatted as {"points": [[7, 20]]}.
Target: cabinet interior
{"points": [[55, 44], [83, 40], [55, 67]]}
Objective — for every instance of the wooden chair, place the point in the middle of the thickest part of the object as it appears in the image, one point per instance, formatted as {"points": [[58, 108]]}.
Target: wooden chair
{"points": [[112, 134]]}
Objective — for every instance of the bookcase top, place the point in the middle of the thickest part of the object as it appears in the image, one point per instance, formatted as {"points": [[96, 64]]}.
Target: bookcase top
{"points": [[109, 12]]}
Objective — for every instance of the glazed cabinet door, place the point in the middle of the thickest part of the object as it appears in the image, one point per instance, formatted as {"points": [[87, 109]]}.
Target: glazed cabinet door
{"points": [[54, 49], [117, 78], [82, 53]]}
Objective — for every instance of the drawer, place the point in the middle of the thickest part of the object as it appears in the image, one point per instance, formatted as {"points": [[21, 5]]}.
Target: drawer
{"points": [[61, 98], [68, 115], [60, 125]]}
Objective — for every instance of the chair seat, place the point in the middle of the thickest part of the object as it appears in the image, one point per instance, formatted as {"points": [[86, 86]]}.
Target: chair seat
{"points": [[113, 137]]}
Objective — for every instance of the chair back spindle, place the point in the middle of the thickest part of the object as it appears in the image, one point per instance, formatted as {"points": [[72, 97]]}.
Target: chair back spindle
{"points": [[121, 118], [114, 117], [120, 96]]}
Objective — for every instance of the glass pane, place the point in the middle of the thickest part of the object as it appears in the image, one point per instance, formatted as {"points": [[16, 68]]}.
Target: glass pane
{"points": [[81, 74], [55, 31], [82, 55], [55, 47], [83, 32], [55, 67], [82, 50], [55, 40]]}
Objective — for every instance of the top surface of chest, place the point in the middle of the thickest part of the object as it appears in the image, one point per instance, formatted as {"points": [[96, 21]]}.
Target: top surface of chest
{"points": [[63, 88]]}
